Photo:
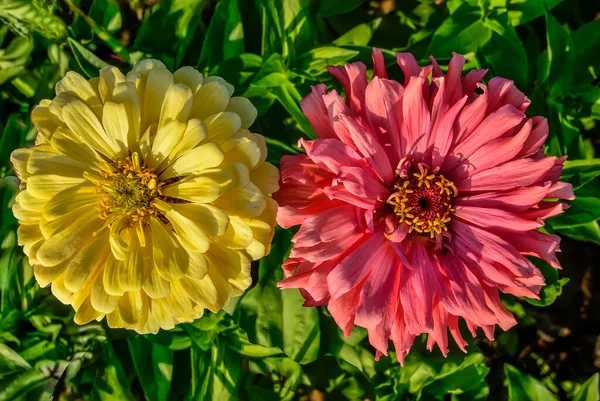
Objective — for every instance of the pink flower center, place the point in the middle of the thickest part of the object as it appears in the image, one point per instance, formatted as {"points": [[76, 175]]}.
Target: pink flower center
{"points": [[423, 201]]}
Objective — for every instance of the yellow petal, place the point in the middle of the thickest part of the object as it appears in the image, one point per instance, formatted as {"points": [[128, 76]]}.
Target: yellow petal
{"points": [[170, 258], [29, 202], [162, 313], [194, 189], [46, 186], [28, 234], [222, 126], [195, 132], [177, 104], [86, 313], [244, 150], [19, 159], [228, 86], [63, 244], [138, 267], [26, 216], [190, 234], [101, 300], [166, 139], [145, 144], [159, 81], [118, 244], [45, 122], [69, 145], [71, 199], [179, 303], [211, 98], [111, 276], [203, 157], [127, 94], [202, 292], [58, 289], [44, 275], [133, 309], [229, 176], [211, 220], [156, 286], [243, 108], [189, 77], [198, 266], [109, 78], [54, 163], [80, 119], [266, 177], [144, 66], [85, 261], [116, 124], [238, 234], [246, 202], [76, 85]]}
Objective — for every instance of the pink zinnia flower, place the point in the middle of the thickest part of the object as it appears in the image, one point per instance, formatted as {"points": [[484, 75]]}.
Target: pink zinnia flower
{"points": [[419, 202]]}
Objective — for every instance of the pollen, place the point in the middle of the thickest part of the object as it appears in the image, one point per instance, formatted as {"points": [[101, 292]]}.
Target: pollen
{"points": [[423, 201], [127, 189]]}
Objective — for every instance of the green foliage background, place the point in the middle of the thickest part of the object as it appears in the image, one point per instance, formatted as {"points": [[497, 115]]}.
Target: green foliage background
{"points": [[266, 346]]}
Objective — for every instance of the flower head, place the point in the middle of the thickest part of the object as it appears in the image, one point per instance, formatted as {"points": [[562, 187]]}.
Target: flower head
{"points": [[145, 197], [419, 202]]}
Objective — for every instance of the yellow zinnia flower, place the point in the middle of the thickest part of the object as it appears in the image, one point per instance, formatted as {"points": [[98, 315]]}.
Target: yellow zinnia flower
{"points": [[145, 197]]}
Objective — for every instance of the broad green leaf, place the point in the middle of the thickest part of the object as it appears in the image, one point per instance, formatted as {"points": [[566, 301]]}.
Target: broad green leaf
{"points": [[238, 71], [580, 172], [590, 391], [360, 35], [111, 382], [287, 28], [316, 60], [154, 367], [586, 41], [87, 61], [15, 386], [585, 232], [276, 318], [585, 207], [505, 41], [178, 22], [225, 36], [329, 8], [523, 387], [463, 32], [10, 361], [560, 54], [107, 14], [523, 11]]}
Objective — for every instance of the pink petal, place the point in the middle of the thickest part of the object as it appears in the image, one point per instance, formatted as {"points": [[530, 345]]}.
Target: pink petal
{"points": [[471, 80], [378, 64], [517, 200], [409, 66], [417, 291], [360, 183], [495, 219], [416, 115], [343, 308], [471, 116], [353, 78], [562, 190], [314, 109], [369, 254], [326, 227], [516, 173], [453, 78], [332, 154], [536, 138], [326, 251], [504, 91], [442, 134]]}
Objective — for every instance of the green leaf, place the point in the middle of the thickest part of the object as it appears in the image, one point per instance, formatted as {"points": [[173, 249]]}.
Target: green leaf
{"points": [[111, 382], [316, 60], [560, 54], [463, 32], [330, 8], [585, 232], [10, 361], [89, 63], [584, 209], [523, 387], [553, 286], [215, 373], [590, 391], [107, 14], [154, 366], [287, 28], [586, 41], [360, 35], [523, 11], [15, 386], [276, 318], [225, 36], [505, 41], [178, 21], [580, 172]]}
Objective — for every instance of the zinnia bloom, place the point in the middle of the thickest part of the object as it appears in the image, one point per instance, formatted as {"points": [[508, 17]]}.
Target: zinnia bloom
{"points": [[419, 202], [145, 197]]}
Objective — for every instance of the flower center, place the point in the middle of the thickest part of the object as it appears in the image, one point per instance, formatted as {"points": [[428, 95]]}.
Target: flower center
{"points": [[128, 190], [423, 201]]}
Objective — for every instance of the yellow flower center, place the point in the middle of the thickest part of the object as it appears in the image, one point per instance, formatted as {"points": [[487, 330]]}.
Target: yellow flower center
{"points": [[128, 190], [423, 201]]}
